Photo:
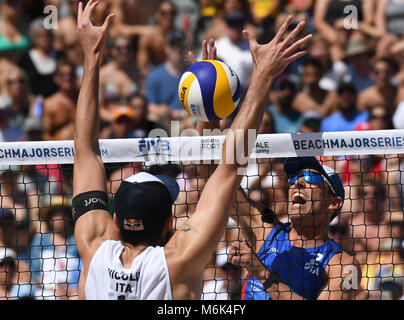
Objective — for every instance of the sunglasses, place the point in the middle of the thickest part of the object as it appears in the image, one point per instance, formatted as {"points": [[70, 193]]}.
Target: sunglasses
{"points": [[16, 81], [383, 72], [375, 117], [167, 13], [311, 177]]}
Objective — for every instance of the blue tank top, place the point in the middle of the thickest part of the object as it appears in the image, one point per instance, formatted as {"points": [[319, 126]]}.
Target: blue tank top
{"points": [[300, 268]]}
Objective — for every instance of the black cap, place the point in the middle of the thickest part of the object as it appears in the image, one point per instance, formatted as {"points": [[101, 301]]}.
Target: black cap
{"points": [[143, 201], [235, 19], [176, 39], [346, 86]]}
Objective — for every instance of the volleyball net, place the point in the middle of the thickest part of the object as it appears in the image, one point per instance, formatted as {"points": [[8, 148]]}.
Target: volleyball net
{"points": [[39, 259]]}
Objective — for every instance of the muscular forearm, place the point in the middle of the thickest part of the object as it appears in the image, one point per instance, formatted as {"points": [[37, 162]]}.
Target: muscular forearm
{"points": [[87, 114], [248, 118]]}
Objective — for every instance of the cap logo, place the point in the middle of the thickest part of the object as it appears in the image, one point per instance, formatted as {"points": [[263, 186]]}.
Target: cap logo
{"points": [[133, 224]]}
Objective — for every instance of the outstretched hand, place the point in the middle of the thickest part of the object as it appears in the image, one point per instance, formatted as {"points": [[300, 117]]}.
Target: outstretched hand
{"points": [[92, 38], [273, 58]]}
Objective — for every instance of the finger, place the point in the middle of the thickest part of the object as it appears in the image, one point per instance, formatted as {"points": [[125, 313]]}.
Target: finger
{"points": [[88, 11], [297, 45], [211, 56], [296, 56], [251, 40], [204, 50], [293, 35], [245, 242], [191, 57], [282, 30], [80, 12], [108, 22]]}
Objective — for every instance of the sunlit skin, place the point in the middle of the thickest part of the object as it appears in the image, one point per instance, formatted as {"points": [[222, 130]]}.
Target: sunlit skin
{"points": [[310, 209]]}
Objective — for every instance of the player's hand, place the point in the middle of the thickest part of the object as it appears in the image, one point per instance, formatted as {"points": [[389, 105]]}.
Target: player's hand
{"points": [[241, 254], [271, 59], [92, 38], [208, 51]]}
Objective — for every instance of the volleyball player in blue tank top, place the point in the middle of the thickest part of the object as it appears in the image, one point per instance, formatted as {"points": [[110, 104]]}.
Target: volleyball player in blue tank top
{"points": [[297, 260]]}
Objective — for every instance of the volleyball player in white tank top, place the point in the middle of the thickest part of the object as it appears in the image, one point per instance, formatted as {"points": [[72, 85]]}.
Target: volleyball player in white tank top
{"points": [[140, 230]]}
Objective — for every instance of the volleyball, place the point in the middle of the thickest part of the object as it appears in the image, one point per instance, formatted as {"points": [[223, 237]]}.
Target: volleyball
{"points": [[209, 90]]}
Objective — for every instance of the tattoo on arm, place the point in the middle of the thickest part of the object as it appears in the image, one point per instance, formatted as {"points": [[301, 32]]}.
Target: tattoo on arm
{"points": [[187, 228]]}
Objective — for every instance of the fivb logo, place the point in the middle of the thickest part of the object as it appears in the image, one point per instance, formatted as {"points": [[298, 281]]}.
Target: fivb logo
{"points": [[154, 147]]}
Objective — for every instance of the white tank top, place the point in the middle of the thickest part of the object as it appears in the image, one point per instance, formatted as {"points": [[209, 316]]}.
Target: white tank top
{"points": [[108, 279]]}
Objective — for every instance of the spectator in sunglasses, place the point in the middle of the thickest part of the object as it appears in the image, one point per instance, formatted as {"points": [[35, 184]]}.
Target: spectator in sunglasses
{"points": [[379, 119], [151, 44], [384, 92], [59, 109]]}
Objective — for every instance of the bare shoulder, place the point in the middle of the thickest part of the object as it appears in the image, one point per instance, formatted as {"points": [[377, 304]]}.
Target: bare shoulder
{"points": [[342, 265]]}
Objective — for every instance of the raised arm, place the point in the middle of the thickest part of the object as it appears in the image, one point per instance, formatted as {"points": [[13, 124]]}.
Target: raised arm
{"points": [[89, 173], [247, 213], [192, 245]]}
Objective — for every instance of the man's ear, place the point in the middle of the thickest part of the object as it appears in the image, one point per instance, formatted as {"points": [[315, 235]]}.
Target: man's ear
{"points": [[334, 204]]}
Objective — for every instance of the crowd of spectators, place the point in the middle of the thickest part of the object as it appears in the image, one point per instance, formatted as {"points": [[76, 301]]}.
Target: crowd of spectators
{"points": [[351, 79]]}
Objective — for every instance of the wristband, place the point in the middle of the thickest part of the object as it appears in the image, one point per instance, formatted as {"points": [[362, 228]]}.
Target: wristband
{"points": [[273, 278], [268, 215]]}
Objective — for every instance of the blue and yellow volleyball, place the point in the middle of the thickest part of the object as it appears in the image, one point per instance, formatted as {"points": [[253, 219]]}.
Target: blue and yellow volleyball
{"points": [[209, 90]]}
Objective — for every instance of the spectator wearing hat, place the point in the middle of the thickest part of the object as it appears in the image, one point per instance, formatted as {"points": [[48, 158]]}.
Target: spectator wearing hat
{"points": [[311, 122], [347, 116], [162, 83], [122, 125], [33, 129], [384, 92], [286, 118], [357, 56]]}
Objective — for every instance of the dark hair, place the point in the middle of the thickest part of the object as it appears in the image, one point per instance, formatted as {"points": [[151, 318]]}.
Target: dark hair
{"points": [[346, 86], [314, 62], [65, 62], [47, 214], [392, 64]]}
